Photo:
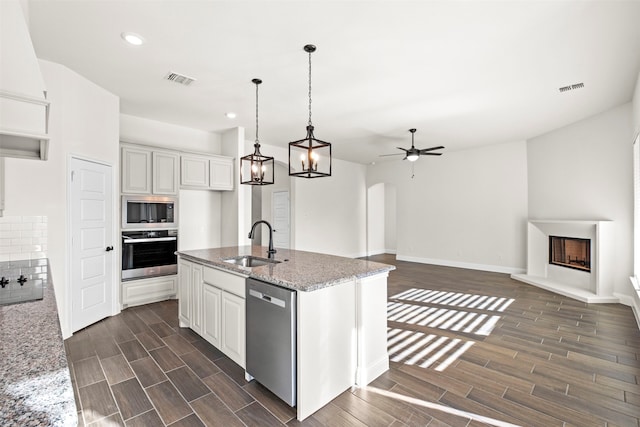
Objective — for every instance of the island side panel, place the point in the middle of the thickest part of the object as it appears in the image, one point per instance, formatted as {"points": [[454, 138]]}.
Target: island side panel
{"points": [[326, 345], [373, 359]]}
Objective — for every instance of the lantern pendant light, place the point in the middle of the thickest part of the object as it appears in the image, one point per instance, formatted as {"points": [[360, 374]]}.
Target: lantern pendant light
{"points": [[256, 169], [309, 157]]}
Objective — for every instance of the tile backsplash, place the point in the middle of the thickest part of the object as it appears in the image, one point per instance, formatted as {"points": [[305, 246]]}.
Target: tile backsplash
{"points": [[23, 237]]}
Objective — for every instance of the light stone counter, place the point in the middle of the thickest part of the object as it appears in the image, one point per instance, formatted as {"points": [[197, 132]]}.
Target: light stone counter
{"points": [[299, 270], [35, 385]]}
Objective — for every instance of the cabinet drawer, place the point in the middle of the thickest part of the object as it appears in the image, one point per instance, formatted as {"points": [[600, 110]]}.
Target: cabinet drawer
{"points": [[225, 281], [136, 292]]}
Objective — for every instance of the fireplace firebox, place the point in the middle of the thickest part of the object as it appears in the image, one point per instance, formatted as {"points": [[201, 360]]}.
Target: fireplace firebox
{"points": [[570, 252]]}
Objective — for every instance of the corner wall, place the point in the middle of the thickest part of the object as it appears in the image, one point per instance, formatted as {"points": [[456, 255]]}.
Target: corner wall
{"points": [[463, 209], [584, 172], [83, 122]]}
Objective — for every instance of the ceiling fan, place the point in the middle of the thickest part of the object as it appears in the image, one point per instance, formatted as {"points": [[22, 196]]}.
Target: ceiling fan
{"points": [[413, 153]]}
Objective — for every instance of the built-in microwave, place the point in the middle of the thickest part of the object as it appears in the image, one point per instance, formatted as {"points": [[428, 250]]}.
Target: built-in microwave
{"points": [[149, 212]]}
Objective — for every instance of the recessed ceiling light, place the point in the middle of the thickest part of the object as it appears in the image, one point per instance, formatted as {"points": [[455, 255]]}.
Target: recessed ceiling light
{"points": [[132, 38], [230, 115]]}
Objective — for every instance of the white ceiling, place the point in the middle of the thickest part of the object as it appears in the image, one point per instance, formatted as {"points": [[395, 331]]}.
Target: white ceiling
{"points": [[464, 74]]}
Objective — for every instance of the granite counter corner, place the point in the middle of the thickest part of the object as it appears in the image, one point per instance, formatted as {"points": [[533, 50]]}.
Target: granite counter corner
{"points": [[35, 381]]}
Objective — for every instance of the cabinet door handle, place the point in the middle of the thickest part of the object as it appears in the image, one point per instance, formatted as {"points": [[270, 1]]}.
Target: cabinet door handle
{"points": [[109, 248]]}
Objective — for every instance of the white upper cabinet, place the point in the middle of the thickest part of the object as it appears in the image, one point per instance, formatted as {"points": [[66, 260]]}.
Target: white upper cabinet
{"points": [[165, 173], [136, 170], [194, 171], [221, 173], [147, 171], [206, 172]]}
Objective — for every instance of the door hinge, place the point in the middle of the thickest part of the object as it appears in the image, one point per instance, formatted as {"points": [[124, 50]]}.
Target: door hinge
{"points": [[73, 174]]}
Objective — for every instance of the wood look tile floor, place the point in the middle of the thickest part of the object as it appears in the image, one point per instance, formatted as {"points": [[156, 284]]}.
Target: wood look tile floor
{"points": [[467, 348]]}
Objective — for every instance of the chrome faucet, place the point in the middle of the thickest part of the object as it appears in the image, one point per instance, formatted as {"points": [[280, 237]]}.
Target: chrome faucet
{"points": [[271, 251]]}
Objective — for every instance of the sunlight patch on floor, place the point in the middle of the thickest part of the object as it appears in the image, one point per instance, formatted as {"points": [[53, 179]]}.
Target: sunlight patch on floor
{"points": [[456, 299], [439, 407], [469, 314], [442, 318], [420, 349]]}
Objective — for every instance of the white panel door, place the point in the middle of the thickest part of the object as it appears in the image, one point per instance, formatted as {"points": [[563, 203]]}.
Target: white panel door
{"points": [[92, 255], [280, 215]]}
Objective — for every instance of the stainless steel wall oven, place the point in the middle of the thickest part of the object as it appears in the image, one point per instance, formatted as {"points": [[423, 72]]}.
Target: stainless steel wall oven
{"points": [[149, 253]]}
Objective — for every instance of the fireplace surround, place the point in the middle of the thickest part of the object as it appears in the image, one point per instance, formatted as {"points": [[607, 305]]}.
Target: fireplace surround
{"points": [[593, 284]]}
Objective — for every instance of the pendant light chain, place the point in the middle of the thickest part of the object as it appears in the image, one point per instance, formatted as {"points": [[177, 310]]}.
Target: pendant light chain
{"points": [[257, 141], [310, 124]]}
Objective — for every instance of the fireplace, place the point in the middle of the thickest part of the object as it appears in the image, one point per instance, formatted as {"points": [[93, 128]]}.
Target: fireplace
{"points": [[570, 252], [592, 282]]}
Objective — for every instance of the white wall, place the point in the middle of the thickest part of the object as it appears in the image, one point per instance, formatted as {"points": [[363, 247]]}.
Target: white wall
{"points": [[390, 220], [330, 212], [328, 215], [236, 204], [83, 122], [152, 132], [199, 219], [376, 219], [281, 182], [636, 108], [466, 208], [584, 171]]}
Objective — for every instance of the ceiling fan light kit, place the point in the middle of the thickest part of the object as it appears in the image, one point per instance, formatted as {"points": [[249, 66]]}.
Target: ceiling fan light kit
{"points": [[310, 157], [256, 169], [412, 154]]}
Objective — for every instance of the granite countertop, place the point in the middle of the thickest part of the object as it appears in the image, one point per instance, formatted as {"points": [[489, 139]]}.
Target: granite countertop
{"points": [[299, 270], [35, 385]]}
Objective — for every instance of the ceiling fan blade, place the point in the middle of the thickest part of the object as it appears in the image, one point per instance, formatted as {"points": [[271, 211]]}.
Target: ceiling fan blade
{"points": [[426, 150], [396, 154], [431, 154], [403, 149]]}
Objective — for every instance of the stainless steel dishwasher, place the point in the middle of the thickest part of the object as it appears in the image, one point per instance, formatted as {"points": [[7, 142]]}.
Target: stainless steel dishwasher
{"points": [[271, 338]]}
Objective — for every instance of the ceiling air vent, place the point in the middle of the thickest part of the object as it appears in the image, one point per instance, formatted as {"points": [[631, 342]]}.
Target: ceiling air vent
{"points": [[179, 78], [571, 87]]}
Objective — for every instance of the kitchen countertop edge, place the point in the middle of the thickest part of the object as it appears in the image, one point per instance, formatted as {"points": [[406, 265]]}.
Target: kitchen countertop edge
{"points": [[298, 270], [35, 380]]}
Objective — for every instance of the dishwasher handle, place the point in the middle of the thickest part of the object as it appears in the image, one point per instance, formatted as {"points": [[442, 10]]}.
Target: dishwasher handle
{"points": [[267, 298]]}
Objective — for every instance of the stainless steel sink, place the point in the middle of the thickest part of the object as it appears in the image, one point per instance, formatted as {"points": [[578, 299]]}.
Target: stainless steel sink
{"points": [[250, 261]]}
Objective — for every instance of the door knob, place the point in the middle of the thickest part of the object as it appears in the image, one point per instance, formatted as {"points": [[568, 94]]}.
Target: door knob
{"points": [[109, 248]]}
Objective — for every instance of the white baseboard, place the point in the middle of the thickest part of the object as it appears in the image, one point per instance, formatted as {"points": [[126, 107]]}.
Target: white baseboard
{"points": [[458, 264], [366, 374], [381, 252], [632, 301]]}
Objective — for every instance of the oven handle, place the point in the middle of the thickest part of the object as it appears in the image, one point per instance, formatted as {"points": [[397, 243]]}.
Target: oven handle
{"points": [[153, 239]]}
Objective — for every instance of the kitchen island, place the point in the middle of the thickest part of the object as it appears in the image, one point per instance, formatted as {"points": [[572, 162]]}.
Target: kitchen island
{"points": [[341, 313]]}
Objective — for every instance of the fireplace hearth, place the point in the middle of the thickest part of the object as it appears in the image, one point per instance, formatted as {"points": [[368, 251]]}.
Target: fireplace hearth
{"points": [[570, 252]]}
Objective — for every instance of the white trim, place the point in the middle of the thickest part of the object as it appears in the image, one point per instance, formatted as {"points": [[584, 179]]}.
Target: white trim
{"points": [[632, 301], [458, 264], [382, 252], [566, 290]]}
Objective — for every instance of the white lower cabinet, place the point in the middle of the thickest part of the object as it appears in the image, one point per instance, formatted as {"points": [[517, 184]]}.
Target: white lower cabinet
{"points": [[211, 314], [184, 292], [233, 332], [144, 291], [196, 298], [212, 303]]}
